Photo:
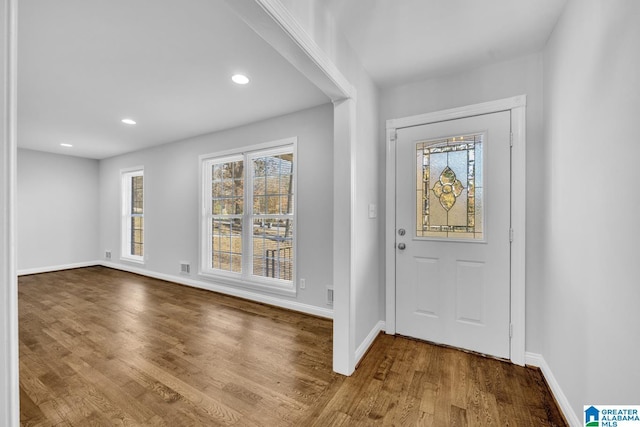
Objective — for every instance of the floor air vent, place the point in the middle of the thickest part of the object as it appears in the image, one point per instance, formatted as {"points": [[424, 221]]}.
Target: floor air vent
{"points": [[185, 267]]}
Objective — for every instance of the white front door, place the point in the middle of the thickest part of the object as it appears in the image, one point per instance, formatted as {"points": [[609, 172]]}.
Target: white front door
{"points": [[453, 232]]}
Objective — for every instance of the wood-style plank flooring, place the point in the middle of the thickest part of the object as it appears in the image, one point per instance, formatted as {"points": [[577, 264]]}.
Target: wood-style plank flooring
{"points": [[104, 347]]}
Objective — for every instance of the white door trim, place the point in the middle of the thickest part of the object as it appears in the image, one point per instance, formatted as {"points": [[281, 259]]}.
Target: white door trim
{"points": [[9, 368], [517, 106]]}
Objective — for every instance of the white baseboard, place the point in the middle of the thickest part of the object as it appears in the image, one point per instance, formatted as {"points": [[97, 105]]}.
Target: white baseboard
{"points": [[537, 360], [368, 341], [51, 268], [227, 290]]}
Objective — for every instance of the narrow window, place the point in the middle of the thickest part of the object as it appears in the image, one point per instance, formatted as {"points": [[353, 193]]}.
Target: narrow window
{"points": [[133, 215], [248, 215]]}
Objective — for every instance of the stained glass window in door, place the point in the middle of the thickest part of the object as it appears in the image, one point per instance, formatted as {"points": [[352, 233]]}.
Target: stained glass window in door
{"points": [[449, 199]]}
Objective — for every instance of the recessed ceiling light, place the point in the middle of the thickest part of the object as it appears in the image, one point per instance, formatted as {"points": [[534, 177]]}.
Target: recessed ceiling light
{"points": [[240, 79], [66, 145], [128, 121]]}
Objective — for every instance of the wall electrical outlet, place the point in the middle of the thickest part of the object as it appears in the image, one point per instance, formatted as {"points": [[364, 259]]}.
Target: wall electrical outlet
{"points": [[303, 283], [107, 254]]}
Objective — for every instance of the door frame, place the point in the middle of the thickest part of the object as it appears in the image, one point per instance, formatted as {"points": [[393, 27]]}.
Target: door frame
{"points": [[517, 106], [9, 365]]}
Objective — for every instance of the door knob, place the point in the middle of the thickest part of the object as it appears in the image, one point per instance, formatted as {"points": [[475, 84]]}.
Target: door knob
{"points": [[401, 246]]}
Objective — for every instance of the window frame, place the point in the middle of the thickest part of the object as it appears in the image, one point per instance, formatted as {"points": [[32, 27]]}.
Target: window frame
{"points": [[208, 215], [127, 176], [246, 278]]}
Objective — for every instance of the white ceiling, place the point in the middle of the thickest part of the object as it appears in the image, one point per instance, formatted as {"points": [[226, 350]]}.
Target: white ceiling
{"points": [[85, 65], [404, 40]]}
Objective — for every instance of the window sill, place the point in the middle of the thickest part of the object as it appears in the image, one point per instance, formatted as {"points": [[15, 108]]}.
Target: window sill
{"points": [[273, 288], [135, 260]]}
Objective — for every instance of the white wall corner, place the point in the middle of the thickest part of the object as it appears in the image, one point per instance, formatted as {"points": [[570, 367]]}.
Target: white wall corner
{"points": [[368, 341], [534, 359], [343, 238]]}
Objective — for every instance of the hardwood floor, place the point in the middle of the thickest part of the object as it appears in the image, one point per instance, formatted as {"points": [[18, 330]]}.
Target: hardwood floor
{"points": [[104, 347]]}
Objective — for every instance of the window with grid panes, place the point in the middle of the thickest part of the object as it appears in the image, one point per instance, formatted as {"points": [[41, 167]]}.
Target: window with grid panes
{"points": [[133, 215], [249, 216]]}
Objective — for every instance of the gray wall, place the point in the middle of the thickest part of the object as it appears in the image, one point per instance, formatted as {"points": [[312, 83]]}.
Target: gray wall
{"points": [[369, 302], [497, 81], [172, 214], [591, 289], [58, 217]]}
